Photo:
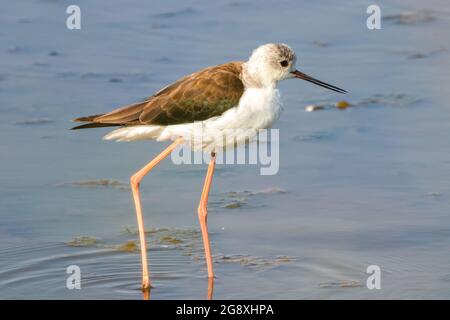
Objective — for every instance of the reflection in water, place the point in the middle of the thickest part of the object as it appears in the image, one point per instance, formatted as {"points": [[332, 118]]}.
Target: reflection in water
{"points": [[146, 293]]}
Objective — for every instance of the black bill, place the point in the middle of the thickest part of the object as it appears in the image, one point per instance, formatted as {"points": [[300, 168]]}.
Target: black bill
{"points": [[303, 76]]}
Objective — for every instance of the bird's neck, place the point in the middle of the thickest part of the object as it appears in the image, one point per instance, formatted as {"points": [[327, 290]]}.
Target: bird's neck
{"points": [[252, 79]]}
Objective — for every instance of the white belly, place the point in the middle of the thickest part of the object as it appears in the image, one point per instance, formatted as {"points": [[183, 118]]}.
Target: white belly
{"points": [[258, 109]]}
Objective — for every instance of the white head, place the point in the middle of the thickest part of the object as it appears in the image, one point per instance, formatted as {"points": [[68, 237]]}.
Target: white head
{"points": [[273, 62]]}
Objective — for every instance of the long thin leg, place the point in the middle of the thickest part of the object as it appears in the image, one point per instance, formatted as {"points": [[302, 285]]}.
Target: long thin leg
{"points": [[135, 181], [203, 214], [209, 296]]}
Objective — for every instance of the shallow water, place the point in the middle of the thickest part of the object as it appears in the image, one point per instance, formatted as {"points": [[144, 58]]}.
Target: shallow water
{"points": [[361, 186]]}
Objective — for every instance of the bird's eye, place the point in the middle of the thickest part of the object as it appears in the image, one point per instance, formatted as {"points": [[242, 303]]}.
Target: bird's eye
{"points": [[284, 63]]}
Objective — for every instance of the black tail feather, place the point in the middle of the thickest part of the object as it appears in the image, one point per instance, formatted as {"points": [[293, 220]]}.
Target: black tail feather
{"points": [[95, 125], [88, 118]]}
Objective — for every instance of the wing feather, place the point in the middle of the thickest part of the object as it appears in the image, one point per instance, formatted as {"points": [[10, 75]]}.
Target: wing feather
{"points": [[196, 97]]}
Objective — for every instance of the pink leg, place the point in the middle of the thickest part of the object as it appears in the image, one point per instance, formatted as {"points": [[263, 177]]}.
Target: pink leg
{"points": [[209, 296], [203, 214], [135, 181]]}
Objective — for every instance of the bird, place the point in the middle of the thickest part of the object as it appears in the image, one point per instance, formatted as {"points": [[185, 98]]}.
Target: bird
{"points": [[238, 96]]}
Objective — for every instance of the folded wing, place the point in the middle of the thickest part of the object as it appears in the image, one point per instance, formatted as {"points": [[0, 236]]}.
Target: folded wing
{"points": [[196, 97]]}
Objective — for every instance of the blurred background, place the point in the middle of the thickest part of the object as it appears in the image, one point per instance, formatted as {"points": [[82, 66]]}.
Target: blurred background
{"points": [[358, 186]]}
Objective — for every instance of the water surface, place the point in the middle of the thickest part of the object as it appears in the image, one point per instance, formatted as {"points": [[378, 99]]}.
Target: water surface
{"points": [[361, 186]]}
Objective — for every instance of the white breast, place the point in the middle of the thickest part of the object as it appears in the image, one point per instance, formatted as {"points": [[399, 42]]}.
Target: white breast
{"points": [[258, 109]]}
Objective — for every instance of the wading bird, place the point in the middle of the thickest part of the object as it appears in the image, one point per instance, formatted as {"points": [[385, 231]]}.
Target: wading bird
{"points": [[240, 97]]}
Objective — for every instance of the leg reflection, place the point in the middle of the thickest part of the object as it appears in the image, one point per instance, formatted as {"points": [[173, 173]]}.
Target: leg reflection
{"points": [[146, 294]]}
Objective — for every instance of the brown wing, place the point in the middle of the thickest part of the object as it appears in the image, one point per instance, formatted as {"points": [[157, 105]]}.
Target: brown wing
{"points": [[199, 96]]}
